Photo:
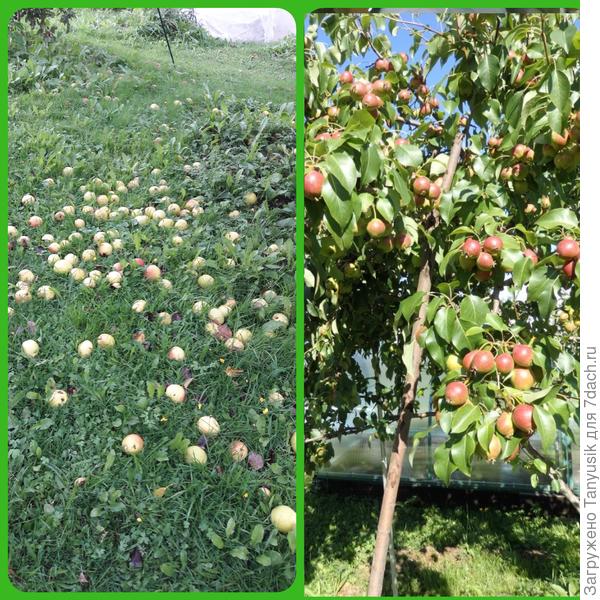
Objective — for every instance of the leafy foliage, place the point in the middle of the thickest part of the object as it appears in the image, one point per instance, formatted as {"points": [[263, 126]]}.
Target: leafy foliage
{"points": [[511, 87]]}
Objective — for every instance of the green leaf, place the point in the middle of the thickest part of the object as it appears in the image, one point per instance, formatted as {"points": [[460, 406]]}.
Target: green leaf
{"points": [[263, 560], [409, 155], [441, 464], [339, 209], [291, 538], [484, 435], [216, 539], [240, 552], [563, 218], [168, 569], [488, 70], [495, 321], [258, 532], [522, 271], [560, 88], [464, 417], [459, 337], [417, 437], [370, 163], [341, 168], [474, 310], [409, 306], [230, 527], [545, 426], [444, 322], [110, 459], [434, 348], [461, 453], [385, 209]]}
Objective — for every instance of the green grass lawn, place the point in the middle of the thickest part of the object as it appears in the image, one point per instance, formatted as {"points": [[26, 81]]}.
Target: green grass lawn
{"points": [[447, 544], [88, 107]]}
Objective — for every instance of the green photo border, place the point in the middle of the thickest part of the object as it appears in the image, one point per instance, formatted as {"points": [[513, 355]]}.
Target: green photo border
{"points": [[299, 9]]}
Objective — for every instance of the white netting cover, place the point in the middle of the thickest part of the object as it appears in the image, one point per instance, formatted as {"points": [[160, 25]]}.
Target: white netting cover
{"points": [[246, 24]]}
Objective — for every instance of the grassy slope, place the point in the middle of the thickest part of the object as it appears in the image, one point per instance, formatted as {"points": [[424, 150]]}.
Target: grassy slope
{"points": [[57, 530], [448, 547]]}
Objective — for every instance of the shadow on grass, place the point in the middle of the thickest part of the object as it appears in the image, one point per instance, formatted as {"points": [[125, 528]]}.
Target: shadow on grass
{"points": [[534, 538]]}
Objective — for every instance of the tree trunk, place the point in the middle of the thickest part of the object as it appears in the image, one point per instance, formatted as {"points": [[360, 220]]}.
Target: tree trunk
{"points": [[386, 513]]}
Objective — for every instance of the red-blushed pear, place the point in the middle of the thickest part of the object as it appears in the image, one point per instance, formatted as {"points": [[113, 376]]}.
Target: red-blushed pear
{"points": [[404, 96], [485, 261], [504, 425], [313, 183], [494, 449], [371, 100], [421, 185], [456, 393], [522, 418], [383, 64], [567, 249], [522, 355], [505, 363], [483, 361], [519, 151], [558, 140], [346, 77], [468, 359], [435, 191], [483, 275], [400, 141], [471, 247], [569, 268], [403, 240], [376, 228], [493, 245], [381, 86], [522, 379], [359, 89], [531, 255]]}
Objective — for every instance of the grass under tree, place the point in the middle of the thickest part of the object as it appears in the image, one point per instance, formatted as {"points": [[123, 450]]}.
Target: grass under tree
{"points": [[83, 100]]}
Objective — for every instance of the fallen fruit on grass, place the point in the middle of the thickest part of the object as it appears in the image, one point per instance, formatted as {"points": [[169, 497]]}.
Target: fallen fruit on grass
{"points": [[46, 292], [30, 348], [250, 199], [58, 398], [194, 455], [283, 518], [85, 348], [175, 393], [209, 426], [152, 273], [238, 450], [176, 353], [139, 306], [205, 281], [522, 418], [105, 341], [62, 266], [234, 345], [456, 393], [132, 443], [293, 442], [243, 335]]}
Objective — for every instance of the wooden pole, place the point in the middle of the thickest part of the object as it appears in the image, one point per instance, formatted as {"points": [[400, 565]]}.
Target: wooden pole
{"points": [[388, 503]]}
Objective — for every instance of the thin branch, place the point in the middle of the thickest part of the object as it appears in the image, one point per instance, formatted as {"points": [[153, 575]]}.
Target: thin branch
{"points": [[566, 491]]}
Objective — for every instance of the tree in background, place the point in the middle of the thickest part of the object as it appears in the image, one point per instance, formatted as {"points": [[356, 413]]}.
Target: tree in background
{"points": [[441, 238]]}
